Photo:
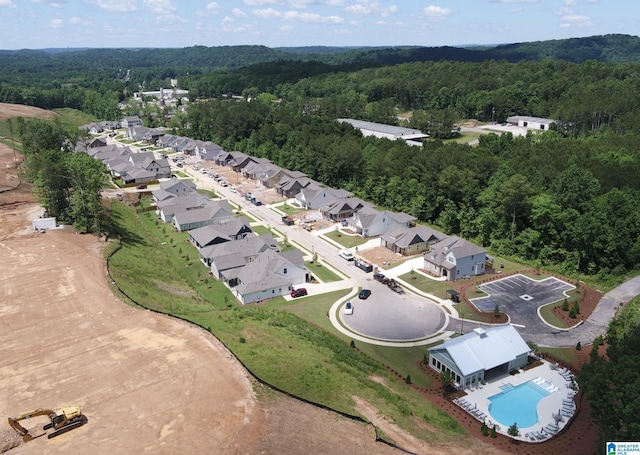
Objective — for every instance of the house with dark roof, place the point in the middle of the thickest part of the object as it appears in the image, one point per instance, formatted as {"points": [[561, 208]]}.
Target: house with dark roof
{"points": [[235, 229], [480, 354], [339, 209], [369, 222], [455, 258], [410, 240], [214, 212], [291, 183]]}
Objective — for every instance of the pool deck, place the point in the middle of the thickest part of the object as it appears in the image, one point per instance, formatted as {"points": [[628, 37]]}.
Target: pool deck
{"points": [[554, 410]]}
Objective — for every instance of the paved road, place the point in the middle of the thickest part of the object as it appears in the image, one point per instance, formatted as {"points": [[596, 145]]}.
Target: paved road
{"points": [[391, 318]]}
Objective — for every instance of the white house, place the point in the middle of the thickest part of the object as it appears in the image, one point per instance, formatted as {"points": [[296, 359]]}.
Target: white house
{"points": [[472, 357]]}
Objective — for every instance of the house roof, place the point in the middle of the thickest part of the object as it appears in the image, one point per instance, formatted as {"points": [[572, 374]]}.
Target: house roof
{"points": [[403, 236], [483, 349], [175, 185], [206, 234], [182, 203], [228, 252], [259, 274], [213, 209], [460, 248]]}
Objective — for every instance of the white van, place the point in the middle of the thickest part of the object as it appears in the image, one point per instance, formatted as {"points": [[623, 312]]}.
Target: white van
{"points": [[346, 254]]}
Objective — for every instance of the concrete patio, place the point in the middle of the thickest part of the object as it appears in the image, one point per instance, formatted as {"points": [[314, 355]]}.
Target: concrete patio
{"points": [[554, 411]]}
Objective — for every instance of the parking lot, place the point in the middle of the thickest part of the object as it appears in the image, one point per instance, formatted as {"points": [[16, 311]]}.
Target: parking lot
{"points": [[520, 296]]}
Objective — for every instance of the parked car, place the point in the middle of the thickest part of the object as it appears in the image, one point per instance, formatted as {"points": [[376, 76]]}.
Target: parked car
{"points": [[179, 164], [348, 308], [233, 189], [298, 292], [141, 187], [346, 254], [364, 294], [203, 170]]}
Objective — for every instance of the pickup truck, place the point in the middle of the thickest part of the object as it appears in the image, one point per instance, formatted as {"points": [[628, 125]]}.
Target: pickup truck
{"points": [[288, 220]]}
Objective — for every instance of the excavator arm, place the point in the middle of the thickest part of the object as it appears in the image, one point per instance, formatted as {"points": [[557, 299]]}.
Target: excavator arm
{"points": [[14, 422], [61, 421]]}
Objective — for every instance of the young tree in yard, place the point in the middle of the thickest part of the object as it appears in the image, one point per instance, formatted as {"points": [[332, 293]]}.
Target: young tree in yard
{"points": [[513, 431], [446, 379]]}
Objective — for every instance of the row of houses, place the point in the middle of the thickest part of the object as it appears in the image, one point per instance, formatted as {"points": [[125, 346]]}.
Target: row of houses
{"points": [[252, 266], [123, 163], [452, 258], [129, 121]]}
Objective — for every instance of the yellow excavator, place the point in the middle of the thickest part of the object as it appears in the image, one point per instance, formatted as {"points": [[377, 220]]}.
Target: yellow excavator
{"points": [[62, 420]]}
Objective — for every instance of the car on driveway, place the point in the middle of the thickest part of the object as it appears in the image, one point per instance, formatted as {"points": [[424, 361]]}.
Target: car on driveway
{"points": [[298, 292], [141, 187], [348, 308], [364, 294]]}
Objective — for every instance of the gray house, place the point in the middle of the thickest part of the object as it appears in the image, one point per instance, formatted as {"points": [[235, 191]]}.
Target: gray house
{"points": [[410, 240], [130, 121], [214, 212], [173, 188], [269, 275], [190, 201], [235, 229], [369, 222], [480, 354], [223, 257], [455, 258]]}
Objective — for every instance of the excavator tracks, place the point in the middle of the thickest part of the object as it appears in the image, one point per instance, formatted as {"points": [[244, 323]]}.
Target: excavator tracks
{"points": [[73, 424]]}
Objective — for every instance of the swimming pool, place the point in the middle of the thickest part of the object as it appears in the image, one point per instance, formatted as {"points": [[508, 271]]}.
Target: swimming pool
{"points": [[517, 404]]}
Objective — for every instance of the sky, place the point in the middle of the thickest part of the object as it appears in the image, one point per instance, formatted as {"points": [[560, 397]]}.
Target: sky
{"points": [[38, 24]]}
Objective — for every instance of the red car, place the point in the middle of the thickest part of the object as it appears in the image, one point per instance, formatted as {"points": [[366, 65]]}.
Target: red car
{"points": [[298, 292]]}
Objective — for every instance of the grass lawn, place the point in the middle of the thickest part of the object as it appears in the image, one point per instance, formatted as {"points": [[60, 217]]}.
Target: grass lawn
{"points": [[289, 209], [288, 344], [464, 138], [347, 241], [323, 273]]}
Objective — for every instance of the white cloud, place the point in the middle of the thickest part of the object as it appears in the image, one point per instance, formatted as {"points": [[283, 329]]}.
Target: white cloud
{"points": [[238, 12], [116, 6], [513, 1], [210, 9], [57, 23], [164, 7], [366, 8], [285, 28], [576, 20], [267, 13], [7, 4], [75, 20], [311, 18], [437, 12], [262, 2]]}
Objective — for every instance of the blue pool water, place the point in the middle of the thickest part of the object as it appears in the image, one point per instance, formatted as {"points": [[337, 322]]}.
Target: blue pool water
{"points": [[517, 404]]}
